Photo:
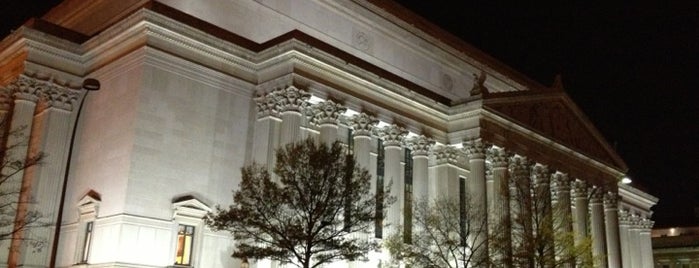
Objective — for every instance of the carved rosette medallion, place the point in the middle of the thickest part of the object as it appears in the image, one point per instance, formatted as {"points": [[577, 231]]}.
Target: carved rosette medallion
{"points": [[446, 155], [326, 113], [420, 145], [498, 157], [475, 149], [392, 135], [363, 125]]}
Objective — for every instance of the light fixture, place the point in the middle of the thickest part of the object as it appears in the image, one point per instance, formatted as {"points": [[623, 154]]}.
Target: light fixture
{"points": [[626, 180]]}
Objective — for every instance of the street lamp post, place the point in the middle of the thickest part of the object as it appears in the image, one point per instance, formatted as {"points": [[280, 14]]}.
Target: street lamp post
{"points": [[89, 84]]}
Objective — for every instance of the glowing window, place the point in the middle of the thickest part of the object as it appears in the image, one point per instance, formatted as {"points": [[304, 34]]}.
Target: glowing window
{"points": [[86, 243], [185, 235]]}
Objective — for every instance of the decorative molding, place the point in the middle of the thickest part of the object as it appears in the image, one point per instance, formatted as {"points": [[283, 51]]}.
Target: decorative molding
{"points": [[363, 124], [420, 145], [446, 155], [326, 112], [392, 135]]}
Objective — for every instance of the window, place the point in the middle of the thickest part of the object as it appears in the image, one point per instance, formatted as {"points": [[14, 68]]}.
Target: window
{"points": [[379, 190], [87, 242], [185, 236], [408, 193]]}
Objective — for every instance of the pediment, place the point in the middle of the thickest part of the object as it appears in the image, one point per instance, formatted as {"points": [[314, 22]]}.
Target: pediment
{"points": [[189, 206], [554, 115]]}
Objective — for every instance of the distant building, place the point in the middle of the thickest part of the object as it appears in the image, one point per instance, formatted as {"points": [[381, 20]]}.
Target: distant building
{"points": [[676, 247], [191, 91]]}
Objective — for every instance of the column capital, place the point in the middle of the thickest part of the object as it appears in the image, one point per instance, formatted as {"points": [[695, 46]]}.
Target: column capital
{"points": [[420, 145], [541, 174], [446, 155], [561, 182], [498, 157], [580, 189], [611, 200], [266, 106], [646, 224], [392, 135], [32, 89], [326, 112], [596, 195], [363, 124], [475, 148], [624, 217], [60, 97]]}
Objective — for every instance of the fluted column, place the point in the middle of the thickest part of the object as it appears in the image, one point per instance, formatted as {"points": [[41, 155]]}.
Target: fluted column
{"points": [[634, 238], [420, 147], [51, 133], [580, 195], [624, 239], [611, 217], [267, 127], [645, 243], [326, 115], [477, 194], [597, 227], [291, 103], [521, 211], [562, 210], [543, 214], [446, 180], [392, 137], [26, 92], [499, 206], [362, 126]]}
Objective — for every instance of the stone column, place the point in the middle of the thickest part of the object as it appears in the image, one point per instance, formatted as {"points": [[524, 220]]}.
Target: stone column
{"points": [[51, 133], [521, 211], [362, 126], [392, 137], [420, 147], [624, 231], [562, 210], [634, 238], [543, 213], [291, 103], [326, 115], [611, 217], [266, 138], [645, 243], [445, 183], [499, 206], [597, 224], [25, 91], [580, 194], [475, 150]]}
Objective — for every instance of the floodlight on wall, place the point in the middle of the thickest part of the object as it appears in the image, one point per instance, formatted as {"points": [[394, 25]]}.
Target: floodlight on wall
{"points": [[91, 84], [626, 180]]}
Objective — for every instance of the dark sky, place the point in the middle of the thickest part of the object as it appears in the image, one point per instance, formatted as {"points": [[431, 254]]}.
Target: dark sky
{"points": [[633, 69]]}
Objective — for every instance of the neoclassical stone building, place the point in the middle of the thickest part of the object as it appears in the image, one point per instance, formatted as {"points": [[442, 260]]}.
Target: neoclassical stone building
{"points": [[193, 90]]}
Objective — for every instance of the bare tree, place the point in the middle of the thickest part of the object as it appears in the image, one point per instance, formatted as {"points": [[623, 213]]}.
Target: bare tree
{"points": [[306, 214], [537, 237], [16, 217], [443, 236]]}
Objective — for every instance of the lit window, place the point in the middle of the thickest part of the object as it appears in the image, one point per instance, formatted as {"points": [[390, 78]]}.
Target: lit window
{"points": [[185, 235], [86, 244]]}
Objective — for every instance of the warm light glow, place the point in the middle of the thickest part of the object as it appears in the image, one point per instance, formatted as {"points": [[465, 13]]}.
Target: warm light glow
{"points": [[626, 180]]}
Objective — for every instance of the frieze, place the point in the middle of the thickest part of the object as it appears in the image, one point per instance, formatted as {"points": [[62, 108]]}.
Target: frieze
{"points": [[554, 120]]}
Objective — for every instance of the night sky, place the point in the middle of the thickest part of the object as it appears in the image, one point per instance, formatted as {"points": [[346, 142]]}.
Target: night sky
{"points": [[633, 69]]}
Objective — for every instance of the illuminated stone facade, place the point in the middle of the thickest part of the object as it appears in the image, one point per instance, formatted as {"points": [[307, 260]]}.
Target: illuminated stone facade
{"points": [[193, 90]]}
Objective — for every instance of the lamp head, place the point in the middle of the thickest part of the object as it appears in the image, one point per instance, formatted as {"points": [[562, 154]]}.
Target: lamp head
{"points": [[91, 84]]}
